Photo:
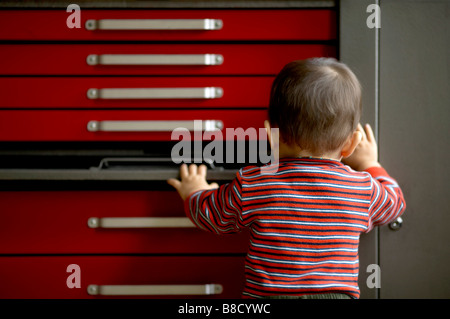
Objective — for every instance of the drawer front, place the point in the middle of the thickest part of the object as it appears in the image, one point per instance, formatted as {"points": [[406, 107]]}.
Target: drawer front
{"points": [[250, 25], [131, 125], [136, 92], [146, 59], [36, 277], [44, 222]]}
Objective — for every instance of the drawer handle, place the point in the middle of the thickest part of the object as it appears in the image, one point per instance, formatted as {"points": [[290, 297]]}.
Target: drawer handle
{"points": [[140, 222], [155, 93], [111, 161], [154, 59], [153, 126], [152, 290], [154, 24]]}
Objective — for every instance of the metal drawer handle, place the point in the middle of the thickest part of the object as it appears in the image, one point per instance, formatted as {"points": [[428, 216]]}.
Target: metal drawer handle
{"points": [[156, 93], [140, 222], [111, 161], [152, 290], [153, 126], [154, 59], [154, 24]]}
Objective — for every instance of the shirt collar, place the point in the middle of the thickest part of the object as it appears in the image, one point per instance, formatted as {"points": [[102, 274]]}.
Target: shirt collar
{"points": [[311, 161]]}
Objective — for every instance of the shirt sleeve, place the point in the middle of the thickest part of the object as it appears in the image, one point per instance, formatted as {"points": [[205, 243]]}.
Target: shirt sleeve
{"points": [[387, 202], [218, 210]]}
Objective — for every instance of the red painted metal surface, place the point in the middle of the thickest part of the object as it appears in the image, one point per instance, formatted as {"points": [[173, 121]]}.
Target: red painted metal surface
{"points": [[58, 125], [71, 92], [47, 222], [70, 59], [44, 99], [45, 277], [248, 25]]}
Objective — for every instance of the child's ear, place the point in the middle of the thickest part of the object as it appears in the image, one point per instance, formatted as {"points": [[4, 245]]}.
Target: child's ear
{"points": [[273, 136], [351, 144], [268, 131]]}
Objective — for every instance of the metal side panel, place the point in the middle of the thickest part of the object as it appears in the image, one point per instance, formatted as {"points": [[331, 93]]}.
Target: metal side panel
{"points": [[358, 50], [414, 145]]}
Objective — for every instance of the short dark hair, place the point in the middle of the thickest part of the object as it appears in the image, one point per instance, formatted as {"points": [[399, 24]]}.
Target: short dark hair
{"points": [[316, 104]]}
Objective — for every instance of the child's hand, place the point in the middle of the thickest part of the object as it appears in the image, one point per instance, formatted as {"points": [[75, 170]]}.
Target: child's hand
{"points": [[366, 153], [192, 179]]}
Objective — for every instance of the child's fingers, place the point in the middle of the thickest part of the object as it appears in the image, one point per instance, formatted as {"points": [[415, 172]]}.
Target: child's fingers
{"points": [[202, 170], [174, 182], [369, 133], [192, 169], [359, 137], [361, 130], [214, 185], [184, 171]]}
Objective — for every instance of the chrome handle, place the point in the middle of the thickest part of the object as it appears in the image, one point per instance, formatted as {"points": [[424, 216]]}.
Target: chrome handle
{"points": [[152, 290], [396, 224], [155, 93], [154, 59], [107, 161], [140, 222], [153, 126], [154, 24]]}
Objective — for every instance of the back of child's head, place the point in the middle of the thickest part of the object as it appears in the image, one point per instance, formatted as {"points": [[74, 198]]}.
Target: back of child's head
{"points": [[315, 104]]}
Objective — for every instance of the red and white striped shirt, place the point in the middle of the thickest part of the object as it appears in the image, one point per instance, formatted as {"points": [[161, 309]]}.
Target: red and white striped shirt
{"points": [[305, 220]]}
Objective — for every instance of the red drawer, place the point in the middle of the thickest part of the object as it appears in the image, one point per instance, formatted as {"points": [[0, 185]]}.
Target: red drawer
{"points": [[180, 92], [45, 222], [96, 59], [34, 277], [252, 25], [57, 125]]}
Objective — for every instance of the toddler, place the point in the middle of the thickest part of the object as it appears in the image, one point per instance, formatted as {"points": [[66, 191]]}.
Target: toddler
{"points": [[305, 218]]}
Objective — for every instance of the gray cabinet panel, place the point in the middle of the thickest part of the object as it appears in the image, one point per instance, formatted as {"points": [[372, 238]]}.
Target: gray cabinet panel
{"points": [[414, 145], [358, 50]]}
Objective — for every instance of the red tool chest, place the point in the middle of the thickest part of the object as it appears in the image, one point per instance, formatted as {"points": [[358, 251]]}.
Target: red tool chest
{"points": [[116, 88]]}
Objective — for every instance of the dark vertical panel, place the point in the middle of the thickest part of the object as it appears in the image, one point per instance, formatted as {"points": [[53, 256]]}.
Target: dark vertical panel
{"points": [[358, 50], [414, 145]]}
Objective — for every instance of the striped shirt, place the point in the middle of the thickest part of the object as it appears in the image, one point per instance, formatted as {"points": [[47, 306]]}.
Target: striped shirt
{"points": [[304, 219]]}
